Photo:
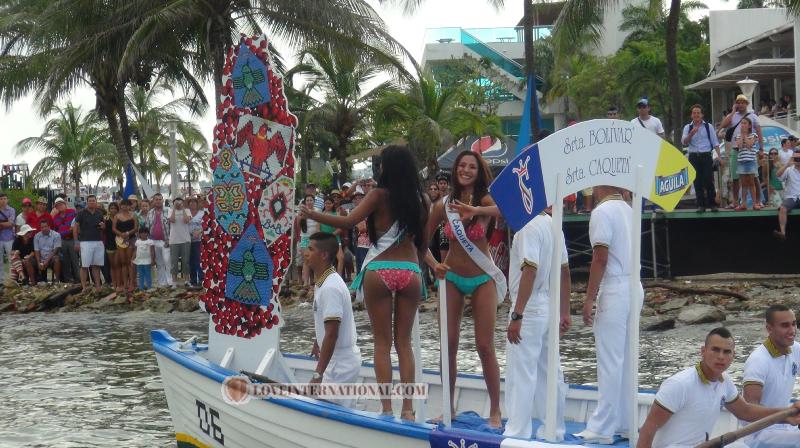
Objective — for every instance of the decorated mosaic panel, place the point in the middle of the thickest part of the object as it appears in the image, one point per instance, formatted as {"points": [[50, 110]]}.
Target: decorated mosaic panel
{"points": [[245, 247]]}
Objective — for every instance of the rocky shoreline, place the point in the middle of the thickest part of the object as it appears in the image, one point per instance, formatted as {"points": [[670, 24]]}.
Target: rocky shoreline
{"points": [[667, 303]]}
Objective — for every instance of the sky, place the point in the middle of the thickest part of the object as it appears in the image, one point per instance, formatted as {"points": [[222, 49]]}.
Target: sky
{"points": [[22, 120]]}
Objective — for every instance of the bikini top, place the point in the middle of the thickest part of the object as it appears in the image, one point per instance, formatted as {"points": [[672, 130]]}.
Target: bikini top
{"points": [[475, 231]]}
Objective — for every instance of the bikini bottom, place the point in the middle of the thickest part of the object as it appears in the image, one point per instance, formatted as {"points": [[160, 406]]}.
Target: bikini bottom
{"points": [[467, 285], [396, 275]]}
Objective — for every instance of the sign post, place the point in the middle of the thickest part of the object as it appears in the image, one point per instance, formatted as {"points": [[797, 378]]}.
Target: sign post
{"points": [[596, 152], [445, 351]]}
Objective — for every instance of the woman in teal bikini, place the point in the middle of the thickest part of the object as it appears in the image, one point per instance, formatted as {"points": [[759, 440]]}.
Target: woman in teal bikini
{"points": [[470, 199], [391, 279]]}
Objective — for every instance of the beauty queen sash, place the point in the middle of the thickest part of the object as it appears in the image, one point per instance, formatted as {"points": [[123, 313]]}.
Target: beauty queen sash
{"points": [[480, 258], [386, 241]]}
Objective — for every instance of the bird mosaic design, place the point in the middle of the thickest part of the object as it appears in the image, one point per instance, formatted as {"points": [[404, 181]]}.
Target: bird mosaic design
{"points": [[250, 77], [250, 270]]}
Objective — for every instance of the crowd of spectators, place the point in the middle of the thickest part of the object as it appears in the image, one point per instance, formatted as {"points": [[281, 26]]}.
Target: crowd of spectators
{"points": [[119, 243]]}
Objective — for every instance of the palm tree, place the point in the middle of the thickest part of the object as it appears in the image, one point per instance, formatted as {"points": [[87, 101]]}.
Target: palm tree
{"points": [[342, 78], [580, 20], [193, 152], [429, 116], [70, 142], [149, 119], [51, 47], [207, 28]]}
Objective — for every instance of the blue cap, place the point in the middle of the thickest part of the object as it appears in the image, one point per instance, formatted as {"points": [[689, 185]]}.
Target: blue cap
{"points": [[643, 102]]}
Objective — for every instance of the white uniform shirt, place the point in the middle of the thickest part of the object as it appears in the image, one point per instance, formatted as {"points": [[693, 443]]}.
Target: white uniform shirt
{"points": [[652, 124], [332, 302], [610, 226], [791, 182], [695, 404], [533, 245], [774, 371], [785, 155]]}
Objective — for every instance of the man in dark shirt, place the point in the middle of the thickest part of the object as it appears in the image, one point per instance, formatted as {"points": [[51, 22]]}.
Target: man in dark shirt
{"points": [[86, 232]]}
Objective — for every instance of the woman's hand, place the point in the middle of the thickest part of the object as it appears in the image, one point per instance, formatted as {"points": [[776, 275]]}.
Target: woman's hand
{"points": [[306, 212], [441, 270], [465, 211]]}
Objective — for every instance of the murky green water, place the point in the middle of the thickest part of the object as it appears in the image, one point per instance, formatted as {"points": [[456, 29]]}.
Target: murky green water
{"points": [[89, 380]]}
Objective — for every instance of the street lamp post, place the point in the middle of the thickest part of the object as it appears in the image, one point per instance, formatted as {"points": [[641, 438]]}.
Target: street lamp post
{"points": [[173, 160], [748, 86]]}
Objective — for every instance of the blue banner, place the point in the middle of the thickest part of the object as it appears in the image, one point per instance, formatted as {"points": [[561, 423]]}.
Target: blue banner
{"points": [[130, 182], [519, 189]]}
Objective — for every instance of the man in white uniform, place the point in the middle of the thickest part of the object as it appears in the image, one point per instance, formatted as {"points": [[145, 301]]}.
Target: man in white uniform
{"points": [[334, 327], [526, 351], [688, 403], [647, 121], [609, 233], [769, 376]]}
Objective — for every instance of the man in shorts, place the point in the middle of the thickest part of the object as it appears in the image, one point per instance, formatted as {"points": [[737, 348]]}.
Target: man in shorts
{"points": [[87, 232], [789, 174]]}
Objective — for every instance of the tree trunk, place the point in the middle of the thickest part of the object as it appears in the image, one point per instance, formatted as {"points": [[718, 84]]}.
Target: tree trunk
{"points": [[116, 135], [676, 92], [123, 121], [344, 168], [219, 41], [530, 69]]}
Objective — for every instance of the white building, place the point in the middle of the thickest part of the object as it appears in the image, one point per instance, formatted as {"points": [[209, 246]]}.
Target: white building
{"points": [[751, 43]]}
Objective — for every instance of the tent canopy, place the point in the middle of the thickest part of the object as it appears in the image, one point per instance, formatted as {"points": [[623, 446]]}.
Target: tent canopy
{"points": [[497, 152]]}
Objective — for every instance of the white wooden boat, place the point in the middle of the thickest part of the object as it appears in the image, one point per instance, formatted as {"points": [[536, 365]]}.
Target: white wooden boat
{"points": [[203, 419]]}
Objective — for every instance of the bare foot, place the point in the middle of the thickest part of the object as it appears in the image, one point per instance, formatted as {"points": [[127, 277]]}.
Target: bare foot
{"points": [[407, 415], [440, 418], [387, 414], [495, 421]]}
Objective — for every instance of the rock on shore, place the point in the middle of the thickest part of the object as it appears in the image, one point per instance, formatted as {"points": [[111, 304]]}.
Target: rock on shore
{"points": [[68, 298]]}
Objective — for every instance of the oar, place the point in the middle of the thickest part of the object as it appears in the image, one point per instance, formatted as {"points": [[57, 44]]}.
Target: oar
{"points": [[758, 425]]}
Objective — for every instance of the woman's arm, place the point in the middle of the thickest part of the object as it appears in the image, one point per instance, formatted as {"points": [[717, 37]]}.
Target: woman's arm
{"points": [[358, 214], [114, 227]]}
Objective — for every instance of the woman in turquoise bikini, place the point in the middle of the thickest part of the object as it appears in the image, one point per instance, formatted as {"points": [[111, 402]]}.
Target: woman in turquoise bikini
{"points": [[305, 227], [470, 199], [391, 279]]}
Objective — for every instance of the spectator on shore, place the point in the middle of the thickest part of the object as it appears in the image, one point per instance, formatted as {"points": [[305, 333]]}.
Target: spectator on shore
{"points": [[786, 151], [159, 225], [145, 259], [22, 254], [443, 180], [141, 214], [747, 168], [702, 141], [789, 174], [134, 204], [112, 271], [46, 247], [772, 187], [7, 215], [319, 201], [730, 127], [180, 241], [647, 121], [63, 217], [125, 227], [87, 234], [196, 232], [39, 214], [21, 218], [612, 113]]}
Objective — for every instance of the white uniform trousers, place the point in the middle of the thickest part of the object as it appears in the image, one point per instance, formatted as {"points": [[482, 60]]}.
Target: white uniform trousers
{"points": [[526, 379], [163, 276], [777, 436], [343, 367], [611, 338]]}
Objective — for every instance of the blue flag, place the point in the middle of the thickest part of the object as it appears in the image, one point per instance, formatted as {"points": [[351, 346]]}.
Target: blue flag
{"points": [[130, 182], [519, 189]]}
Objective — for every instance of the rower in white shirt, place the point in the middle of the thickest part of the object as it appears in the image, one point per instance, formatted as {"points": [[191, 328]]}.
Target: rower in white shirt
{"points": [[688, 403], [769, 376], [339, 358]]}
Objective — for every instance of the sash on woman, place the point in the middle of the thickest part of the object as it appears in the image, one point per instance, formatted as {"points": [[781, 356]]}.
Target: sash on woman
{"points": [[386, 241], [481, 259]]}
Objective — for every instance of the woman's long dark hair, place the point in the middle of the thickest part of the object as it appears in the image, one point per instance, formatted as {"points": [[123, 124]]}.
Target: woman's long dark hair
{"points": [[481, 188], [400, 177]]}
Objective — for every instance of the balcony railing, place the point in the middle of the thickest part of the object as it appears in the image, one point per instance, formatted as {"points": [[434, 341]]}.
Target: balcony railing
{"points": [[485, 35]]}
